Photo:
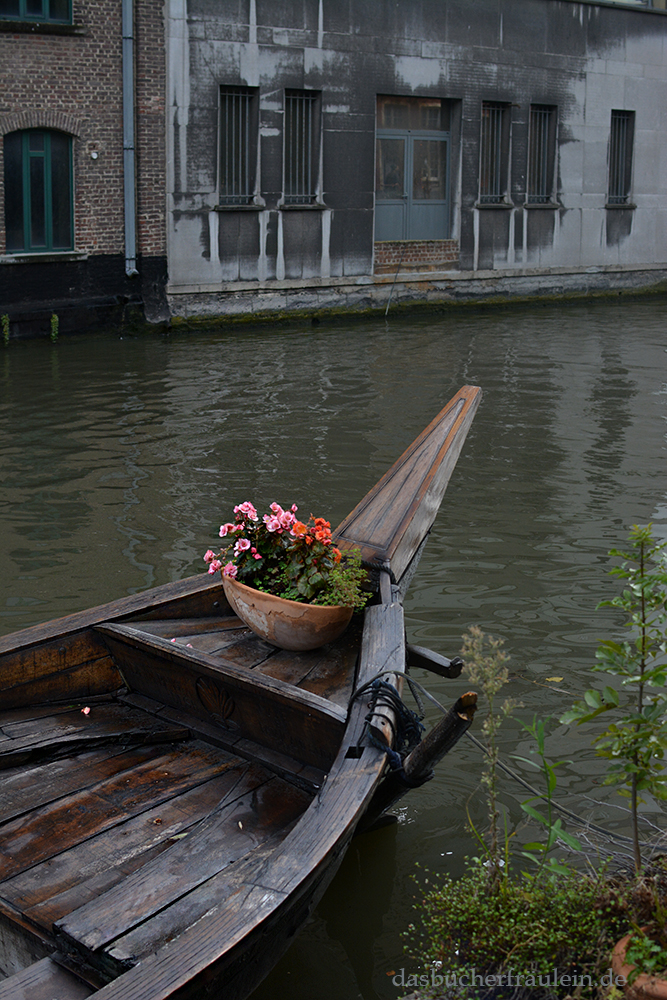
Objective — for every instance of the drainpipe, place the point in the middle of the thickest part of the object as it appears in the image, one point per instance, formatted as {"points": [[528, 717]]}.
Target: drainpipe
{"points": [[128, 141]]}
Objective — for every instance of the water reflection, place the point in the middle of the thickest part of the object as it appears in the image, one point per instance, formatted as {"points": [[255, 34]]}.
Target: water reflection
{"points": [[121, 457]]}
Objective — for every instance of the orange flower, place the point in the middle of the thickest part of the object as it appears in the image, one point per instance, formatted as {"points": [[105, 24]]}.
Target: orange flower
{"points": [[298, 529]]}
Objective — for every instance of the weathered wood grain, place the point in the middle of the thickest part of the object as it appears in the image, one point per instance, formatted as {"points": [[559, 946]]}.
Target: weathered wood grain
{"points": [[390, 523], [193, 597], [233, 830], [66, 733], [28, 788], [47, 831], [79, 682], [49, 891], [125, 951], [300, 866], [308, 778], [44, 980], [174, 627], [250, 704]]}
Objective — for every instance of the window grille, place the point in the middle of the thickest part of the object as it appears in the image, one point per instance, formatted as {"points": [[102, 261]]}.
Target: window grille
{"points": [[38, 191], [494, 153], [301, 147], [620, 157], [541, 149], [237, 146], [58, 11]]}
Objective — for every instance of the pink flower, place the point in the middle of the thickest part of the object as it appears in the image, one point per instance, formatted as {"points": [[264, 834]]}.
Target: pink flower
{"points": [[226, 528], [229, 570], [241, 546], [276, 508], [215, 566], [247, 510], [272, 522], [294, 508], [257, 556], [86, 710], [287, 519], [210, 556]]}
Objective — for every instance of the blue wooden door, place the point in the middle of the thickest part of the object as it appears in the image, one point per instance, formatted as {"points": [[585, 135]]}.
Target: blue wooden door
{"points": [[411, 185]]}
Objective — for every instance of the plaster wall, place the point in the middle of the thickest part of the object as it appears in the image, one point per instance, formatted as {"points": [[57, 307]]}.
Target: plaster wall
{"points": [[582, 57]]}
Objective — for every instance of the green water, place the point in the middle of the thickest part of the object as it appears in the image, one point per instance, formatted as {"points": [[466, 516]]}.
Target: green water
{"points": [[121, 457]]}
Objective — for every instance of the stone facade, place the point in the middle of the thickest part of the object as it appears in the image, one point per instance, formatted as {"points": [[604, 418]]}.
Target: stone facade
{"points": [[564, 67], [68, 77]]}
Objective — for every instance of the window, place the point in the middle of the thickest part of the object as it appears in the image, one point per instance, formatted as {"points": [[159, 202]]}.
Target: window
{"points": [[301, 146], [621, 139], [38, 191], [238, 145], [541, 154], [494, 153], [59, 11]]}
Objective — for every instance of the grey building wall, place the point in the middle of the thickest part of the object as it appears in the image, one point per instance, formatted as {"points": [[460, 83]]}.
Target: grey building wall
{"points": [[584, 58]]}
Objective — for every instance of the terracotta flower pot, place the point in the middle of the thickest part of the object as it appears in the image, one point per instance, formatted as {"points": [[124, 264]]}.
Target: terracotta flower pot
{"points": [[283, 623], [644, 985]]}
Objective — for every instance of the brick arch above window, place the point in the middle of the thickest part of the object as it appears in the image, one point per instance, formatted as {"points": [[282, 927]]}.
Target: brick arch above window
{"points": [[49, 119]]}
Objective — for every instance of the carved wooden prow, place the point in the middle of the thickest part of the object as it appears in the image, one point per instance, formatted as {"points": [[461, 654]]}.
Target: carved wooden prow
{"points": [[393, 519]]}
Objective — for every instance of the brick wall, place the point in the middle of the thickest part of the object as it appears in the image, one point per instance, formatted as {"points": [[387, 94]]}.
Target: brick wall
{"points": [[150, 77], [70, 78], [416, 255]]}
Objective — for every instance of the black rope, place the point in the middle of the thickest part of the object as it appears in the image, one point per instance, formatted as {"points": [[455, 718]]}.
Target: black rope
{"points": [[407, 728]]}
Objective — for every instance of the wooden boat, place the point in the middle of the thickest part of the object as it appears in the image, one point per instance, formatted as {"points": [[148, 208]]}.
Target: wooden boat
{"points": [[176, 794]]}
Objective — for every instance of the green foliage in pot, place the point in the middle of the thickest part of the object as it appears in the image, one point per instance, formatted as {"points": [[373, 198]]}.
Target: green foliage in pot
{"points": [[281, 555]]}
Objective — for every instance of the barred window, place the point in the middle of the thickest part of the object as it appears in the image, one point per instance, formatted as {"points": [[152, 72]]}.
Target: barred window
{"points": [[494, 153], [621, 139], [302, 136], [38, 191], [59, 11], [541, 154], [238, 145]]}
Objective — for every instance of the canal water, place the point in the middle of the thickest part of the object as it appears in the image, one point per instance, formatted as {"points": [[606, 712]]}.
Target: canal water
{"points": [[121, 456]]}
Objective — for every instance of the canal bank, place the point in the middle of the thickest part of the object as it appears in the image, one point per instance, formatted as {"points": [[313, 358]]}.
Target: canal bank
{"points": [[406, 290]]}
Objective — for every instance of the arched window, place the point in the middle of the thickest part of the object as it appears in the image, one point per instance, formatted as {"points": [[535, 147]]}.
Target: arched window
{"points": [[38, 191]]}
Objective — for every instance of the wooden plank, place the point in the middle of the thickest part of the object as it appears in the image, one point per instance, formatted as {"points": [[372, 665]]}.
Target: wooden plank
{"points": [[309, 779], [82, 681], [195, 596], [47, 892], [173, 627], [140, 942], [30, 788], [176, 966], [69, 732], [44, 980], [249, 704], [291, 669], [242, 648], [49, 831], [351, 780], [390, 523], [235, 828]]}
